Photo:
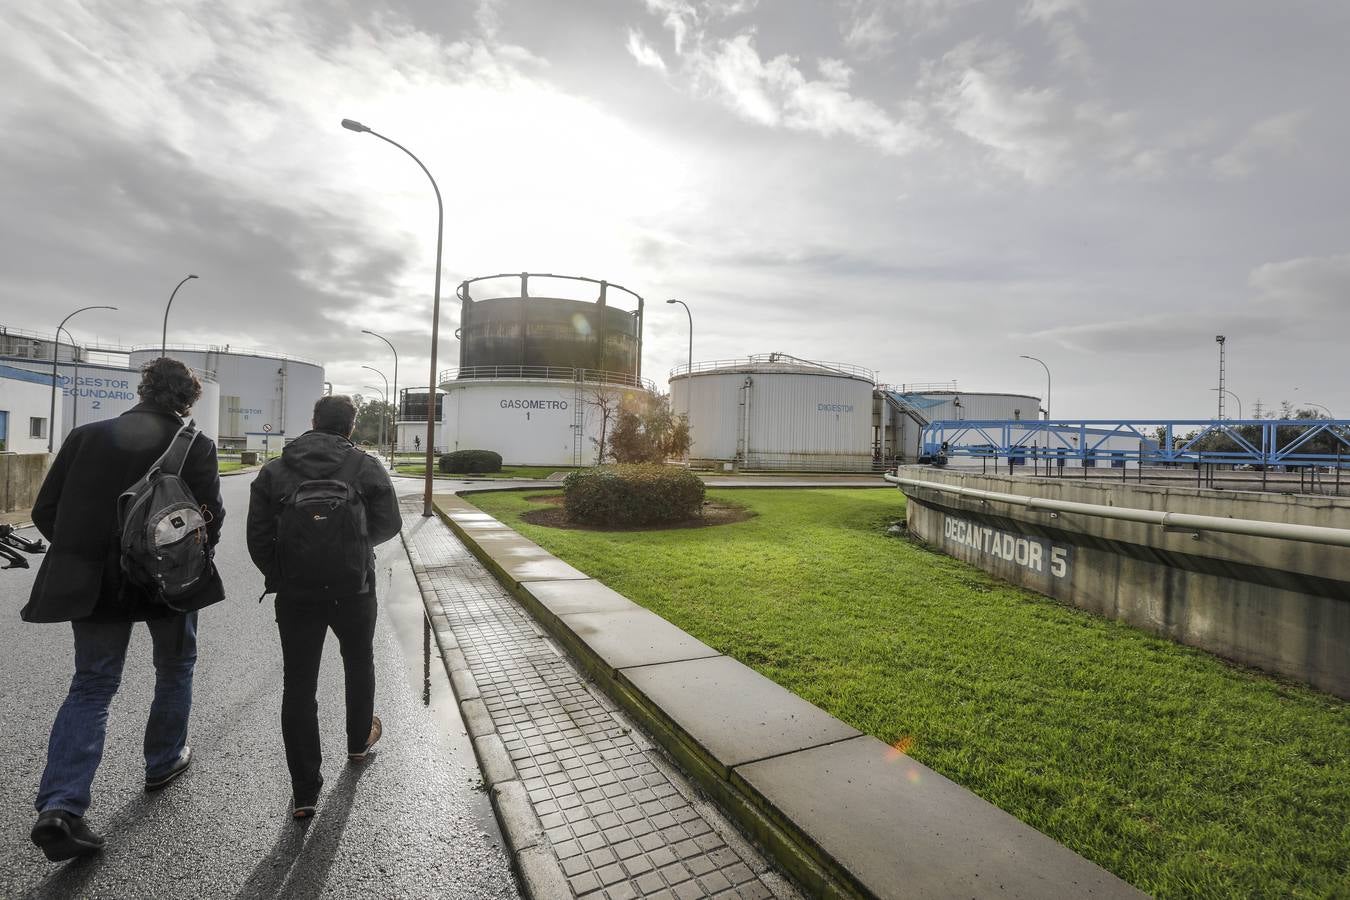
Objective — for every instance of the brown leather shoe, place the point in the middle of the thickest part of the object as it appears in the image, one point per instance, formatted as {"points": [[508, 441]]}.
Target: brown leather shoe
{"points": [[376, 729]]}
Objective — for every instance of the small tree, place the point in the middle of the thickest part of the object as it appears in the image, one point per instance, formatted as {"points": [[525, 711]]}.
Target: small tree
{"points": [[645, 431], [604, 403]]}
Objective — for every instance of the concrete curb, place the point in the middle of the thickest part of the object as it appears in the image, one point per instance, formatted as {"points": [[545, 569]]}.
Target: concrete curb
{"points": [[540, 875], [840, 812]]}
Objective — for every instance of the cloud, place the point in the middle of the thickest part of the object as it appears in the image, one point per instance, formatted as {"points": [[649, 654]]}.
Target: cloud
{"points": [[643, 52], [1270, 138], [870, 28], [1308, 287]]}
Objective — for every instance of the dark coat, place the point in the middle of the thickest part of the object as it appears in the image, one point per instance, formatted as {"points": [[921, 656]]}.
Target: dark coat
{"points": [[314, 455], [76, 510]]}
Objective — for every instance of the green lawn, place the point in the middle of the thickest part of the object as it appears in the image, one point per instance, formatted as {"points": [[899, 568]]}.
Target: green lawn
{"points": [[1182, 774], [229, 465], [506, 472]]}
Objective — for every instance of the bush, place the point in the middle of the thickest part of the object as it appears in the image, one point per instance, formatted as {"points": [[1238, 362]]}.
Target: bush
{"points": [[632, 495], [470, 462]]}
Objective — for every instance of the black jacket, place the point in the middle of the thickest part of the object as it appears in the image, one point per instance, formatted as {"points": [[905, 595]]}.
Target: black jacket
{"points": [[313, 455], [76, 510]]}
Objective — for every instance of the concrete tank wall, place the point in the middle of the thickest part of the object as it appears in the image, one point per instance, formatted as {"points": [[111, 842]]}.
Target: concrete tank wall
{"points": [[529, 422], [777, 420], [21, 476], [255, 391], [1279, 605]]}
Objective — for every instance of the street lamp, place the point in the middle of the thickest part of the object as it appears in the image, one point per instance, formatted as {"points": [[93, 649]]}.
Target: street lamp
{"points": [[1329, 413], [1047, 382], [352, 125], [385, 412], [1235, 397], [164, 335], [51, 415], [393, 441]]}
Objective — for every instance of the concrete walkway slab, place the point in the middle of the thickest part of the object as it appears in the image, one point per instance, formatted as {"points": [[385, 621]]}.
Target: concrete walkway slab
{"points": [[634, 638], [563, 598], [905, 831], [752, 718]]}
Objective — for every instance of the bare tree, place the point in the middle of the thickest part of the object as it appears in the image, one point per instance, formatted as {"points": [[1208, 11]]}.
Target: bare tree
{"points": [[604, 402]]}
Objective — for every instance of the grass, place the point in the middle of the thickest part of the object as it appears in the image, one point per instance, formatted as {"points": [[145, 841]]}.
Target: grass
{"points": [[228, 465], [506, 472], [1184, 775]]}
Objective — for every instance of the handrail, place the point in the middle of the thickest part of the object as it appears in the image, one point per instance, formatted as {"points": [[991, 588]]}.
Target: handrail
{"points": [[228, 350], [1312, 534], [588, 280], [546, 373], [777, 359]]}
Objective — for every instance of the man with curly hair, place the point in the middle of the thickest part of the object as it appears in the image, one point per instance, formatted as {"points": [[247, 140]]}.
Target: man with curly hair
{"points": [[81, 582]]}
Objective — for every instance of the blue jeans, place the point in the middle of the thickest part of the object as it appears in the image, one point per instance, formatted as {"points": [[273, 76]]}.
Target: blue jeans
{"points": [[76, 744]]}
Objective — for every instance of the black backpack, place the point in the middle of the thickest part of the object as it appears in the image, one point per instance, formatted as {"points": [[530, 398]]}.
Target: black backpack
{"points": [[322, 540], [163, 535]]}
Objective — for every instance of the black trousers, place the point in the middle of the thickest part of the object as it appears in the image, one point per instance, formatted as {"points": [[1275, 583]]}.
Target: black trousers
{"points": [[304, 623]]}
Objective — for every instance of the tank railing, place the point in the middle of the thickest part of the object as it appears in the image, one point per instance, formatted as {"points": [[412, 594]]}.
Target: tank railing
{"points": [[525, 276], [920, 387], [547, 373], [229, 349], [87, 346], [777, 359]]}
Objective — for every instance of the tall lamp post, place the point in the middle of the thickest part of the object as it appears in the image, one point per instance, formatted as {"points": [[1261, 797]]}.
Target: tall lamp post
{"points": [[1235, 397], [386, 404], [56, 346], [393, 440], [1047, 381], [164, 335], [353, 125]]}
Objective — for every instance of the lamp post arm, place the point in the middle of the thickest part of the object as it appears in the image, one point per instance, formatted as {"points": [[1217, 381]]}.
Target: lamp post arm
{"points": [[393, 441], [1047, 382], [164, 335], [56, 348]]}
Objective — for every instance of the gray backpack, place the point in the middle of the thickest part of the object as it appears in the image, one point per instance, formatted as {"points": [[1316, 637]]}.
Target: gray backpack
{"points": [[163, 528]]}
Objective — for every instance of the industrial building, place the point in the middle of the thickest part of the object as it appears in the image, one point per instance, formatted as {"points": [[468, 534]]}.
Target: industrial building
{"points": [[539, 376], [25, 410], [247, 397]]}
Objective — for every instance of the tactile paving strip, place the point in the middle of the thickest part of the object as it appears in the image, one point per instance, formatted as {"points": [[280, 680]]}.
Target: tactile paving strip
{"points": [[620, 820]]}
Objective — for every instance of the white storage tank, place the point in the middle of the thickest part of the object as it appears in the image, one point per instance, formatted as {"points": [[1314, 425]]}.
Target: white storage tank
{"points": [[948, 404], [533, 420], [775, 411], [259, 393], [411, 421]]}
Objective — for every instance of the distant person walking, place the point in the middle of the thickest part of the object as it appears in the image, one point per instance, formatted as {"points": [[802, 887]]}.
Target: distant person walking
{"points": [[86, 579], [315, 516]]}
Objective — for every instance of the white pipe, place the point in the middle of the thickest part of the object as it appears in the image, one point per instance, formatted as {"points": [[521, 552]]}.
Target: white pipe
{"points": [[1312, 534]]}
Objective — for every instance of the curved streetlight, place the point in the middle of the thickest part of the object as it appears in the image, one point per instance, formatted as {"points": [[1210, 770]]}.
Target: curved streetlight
{"points": [[393, 440], [1235, 397], [353, 125], [51, 414], [386, 404], [1047, 381], [164, 335], [1329, 413]]}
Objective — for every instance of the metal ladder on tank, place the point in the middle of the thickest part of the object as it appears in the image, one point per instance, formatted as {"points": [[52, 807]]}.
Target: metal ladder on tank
{"points": [[578, 422]]}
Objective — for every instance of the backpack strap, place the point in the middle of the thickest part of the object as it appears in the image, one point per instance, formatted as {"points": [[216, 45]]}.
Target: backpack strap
{"points": [[351, 466], [175, 456]]}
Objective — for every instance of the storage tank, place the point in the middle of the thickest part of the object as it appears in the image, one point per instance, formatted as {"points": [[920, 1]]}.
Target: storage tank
{"points": [[260, 393], [540, 377], [411, 421], [516, 329], [776, 411], [946, 403]]}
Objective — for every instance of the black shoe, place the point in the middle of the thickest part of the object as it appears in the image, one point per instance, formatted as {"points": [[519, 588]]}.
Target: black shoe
{"points": [[304, 805], [62, 835], [376, 729], [179, 767]]}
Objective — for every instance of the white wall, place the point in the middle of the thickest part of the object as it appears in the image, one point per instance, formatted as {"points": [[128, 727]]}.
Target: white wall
{"points": [[527, 422], [790, 420], [23, 400], [254, 390]]}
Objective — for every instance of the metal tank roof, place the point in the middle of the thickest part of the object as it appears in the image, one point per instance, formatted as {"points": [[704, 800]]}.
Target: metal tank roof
{"points": [[777, 364]]}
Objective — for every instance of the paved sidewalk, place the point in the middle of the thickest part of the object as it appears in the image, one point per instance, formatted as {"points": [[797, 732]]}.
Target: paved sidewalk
{"points": [[617, 818]]}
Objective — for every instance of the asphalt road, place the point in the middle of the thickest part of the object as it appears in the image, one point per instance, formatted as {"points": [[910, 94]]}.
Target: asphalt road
{"points": [[411, 822]]}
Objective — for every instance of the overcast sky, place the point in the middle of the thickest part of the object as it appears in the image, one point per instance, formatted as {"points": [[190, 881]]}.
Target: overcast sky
{"points": [[928, 188]]}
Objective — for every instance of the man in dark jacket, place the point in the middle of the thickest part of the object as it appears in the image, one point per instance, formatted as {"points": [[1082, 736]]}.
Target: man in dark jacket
{"points": [[81, 582], [305, 613]]}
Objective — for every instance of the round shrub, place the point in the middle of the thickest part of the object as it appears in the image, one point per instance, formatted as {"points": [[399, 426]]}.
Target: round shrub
{"points": [[632, 495], [470, 462]]}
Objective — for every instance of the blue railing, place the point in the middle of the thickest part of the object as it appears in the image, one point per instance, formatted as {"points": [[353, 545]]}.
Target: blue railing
{"points": [[1255, 442]]}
